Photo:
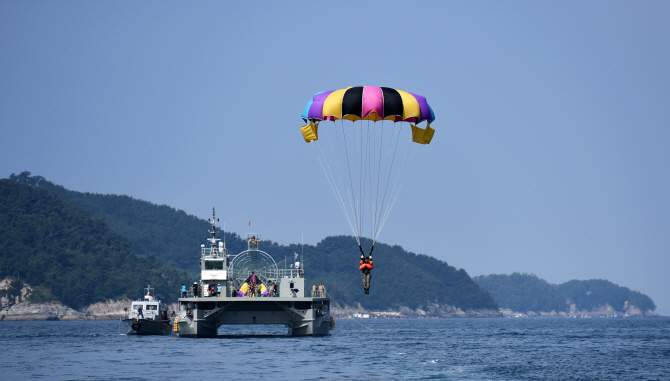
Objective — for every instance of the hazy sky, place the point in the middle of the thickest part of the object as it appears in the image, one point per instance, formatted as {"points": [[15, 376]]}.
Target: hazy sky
{"points": [[551, 153]]}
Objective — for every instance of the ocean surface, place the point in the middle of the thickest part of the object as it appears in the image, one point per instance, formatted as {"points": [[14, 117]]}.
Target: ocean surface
{"points": [[373, 349]]}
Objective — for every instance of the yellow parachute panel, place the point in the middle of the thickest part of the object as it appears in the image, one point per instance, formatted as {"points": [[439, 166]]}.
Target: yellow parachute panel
{"points": [[310, 132], [332, 106], [428, 134], [422, 135]]}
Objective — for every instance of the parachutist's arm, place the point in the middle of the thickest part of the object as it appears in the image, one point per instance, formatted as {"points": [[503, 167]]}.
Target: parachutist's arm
{"points": [[373, 247], [362, 253]]}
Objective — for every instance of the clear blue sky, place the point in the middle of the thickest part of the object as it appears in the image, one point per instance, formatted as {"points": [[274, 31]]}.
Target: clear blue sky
{"points": [[552, 150]]}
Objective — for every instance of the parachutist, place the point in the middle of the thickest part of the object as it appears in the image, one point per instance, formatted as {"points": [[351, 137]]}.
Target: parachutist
{"points": [[366, 266], [366, 107]]}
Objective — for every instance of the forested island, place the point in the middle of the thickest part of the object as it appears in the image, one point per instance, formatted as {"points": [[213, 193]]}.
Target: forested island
{"points": [[90, 251], [526, 294]]}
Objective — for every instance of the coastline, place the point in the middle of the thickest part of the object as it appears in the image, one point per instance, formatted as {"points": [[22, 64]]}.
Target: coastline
{"points": [[27, 311], [114, 310]]}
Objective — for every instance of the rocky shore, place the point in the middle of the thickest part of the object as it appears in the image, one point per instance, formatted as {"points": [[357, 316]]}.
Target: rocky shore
{"points": [[27, 311], [15, 307], [603, 312], [430, 310]]}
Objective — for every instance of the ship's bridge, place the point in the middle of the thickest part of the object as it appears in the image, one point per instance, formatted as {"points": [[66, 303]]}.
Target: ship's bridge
{"points": [[213, 262]]}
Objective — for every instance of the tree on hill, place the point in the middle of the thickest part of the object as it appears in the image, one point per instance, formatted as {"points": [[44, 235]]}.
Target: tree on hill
{"points": [[522, 292], [67, 255]]}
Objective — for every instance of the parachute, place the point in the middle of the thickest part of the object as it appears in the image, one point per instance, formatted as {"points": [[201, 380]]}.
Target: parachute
{"points": [[361, 130]]}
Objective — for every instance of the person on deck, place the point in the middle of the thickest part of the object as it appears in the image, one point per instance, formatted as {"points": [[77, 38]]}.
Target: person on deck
{"points": [[183, 290], [218, 290], [366, 266], [253, 241], [195, 289], [139, 312], [314, 291], [322, 290]]}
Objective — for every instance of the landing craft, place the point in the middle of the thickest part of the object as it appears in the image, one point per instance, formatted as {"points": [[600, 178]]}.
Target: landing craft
{"points": [[254, 290]]}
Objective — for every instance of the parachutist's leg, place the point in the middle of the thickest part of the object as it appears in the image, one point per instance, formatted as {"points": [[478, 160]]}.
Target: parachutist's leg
{"points": [[366, 281]]}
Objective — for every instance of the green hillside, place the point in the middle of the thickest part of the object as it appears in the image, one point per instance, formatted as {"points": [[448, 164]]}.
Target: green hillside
{"points": [[523, 292], [68, 256], [152, 229], [527, 292], [595, 293], [400, 278]]}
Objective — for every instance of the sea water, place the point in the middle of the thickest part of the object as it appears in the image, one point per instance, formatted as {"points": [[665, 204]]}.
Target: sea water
{"points": [[375, 349]]}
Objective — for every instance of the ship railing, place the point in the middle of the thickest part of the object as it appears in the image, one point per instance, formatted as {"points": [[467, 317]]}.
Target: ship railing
{"points": [[272, 273], [216, 252]]}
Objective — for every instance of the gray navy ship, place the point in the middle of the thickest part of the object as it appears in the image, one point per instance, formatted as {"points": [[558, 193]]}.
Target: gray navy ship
{"points": [[249, 288]]}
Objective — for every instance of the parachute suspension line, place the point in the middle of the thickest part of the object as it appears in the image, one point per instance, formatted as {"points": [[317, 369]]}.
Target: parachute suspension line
{"points": [[361, 193], [388, 178], [333, 186], [350, 192], [352, 195], [379, 167], [411, 165], [353, 205], [368, 176], [388, 211]]}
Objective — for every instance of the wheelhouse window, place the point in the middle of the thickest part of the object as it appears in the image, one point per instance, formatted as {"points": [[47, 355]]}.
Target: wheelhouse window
{"points": [[152, 307], [213, 265]]}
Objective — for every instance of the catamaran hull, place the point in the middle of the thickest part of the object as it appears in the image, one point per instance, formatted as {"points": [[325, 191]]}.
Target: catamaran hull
{"points": [[302, 316]]}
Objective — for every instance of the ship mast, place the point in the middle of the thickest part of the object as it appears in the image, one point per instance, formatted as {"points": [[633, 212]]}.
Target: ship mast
{"points": [[213, 238]]}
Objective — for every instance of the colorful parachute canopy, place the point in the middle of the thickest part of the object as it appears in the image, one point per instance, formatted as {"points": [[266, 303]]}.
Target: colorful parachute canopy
{"points": [[368, 103], [359, 157]]}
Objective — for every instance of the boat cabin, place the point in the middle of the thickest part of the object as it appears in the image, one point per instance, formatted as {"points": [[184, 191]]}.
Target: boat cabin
{"points": [[151, 309]]}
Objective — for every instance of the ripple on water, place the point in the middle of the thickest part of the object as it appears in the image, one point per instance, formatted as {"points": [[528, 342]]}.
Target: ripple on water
{"points": [[463, 349]]}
